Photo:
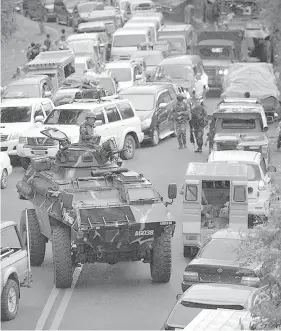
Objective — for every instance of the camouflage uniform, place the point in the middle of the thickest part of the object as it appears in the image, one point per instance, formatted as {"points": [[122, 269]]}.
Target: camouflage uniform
{"points": [[198, 122], [181, 117], [87, 136]]}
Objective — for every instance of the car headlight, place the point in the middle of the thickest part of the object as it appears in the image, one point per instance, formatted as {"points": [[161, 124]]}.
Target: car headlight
{"points": [[146, 123], [22, 140], [223, 71], [13, 135]]}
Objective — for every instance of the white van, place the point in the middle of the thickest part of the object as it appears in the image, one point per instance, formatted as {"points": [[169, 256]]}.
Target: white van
{"points": [[125, 41], [149, 17], [151, 25]]}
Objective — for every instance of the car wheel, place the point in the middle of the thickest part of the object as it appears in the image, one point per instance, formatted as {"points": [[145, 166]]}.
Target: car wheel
{"points": [[130, 146], [10, 300], [4, 178], [155, 137]]}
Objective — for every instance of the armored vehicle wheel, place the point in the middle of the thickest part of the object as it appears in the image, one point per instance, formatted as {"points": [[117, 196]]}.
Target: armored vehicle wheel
{"points": [[36, 238], [161, 259], [25, 162], [130, 146], [10, 300], [62, 256]]}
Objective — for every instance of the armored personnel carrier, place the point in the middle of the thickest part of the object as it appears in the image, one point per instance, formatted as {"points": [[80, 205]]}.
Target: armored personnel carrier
{"points": [[94, 210]]}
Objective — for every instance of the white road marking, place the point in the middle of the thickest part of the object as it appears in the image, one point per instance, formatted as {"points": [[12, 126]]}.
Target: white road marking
{"points": [[65, 300], [47, 309]]}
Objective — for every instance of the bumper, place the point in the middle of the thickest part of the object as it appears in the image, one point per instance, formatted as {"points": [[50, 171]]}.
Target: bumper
{"points": [[32, 151], [141, 137], [10, 147]]}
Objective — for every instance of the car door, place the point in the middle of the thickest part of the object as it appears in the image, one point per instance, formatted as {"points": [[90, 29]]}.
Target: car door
{"points": [[163, 114], [113, 127], [17, 255], [129, 120]]}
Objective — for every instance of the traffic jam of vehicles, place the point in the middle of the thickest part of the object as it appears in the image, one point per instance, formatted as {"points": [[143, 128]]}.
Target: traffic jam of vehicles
{"points": [[79, 111]]}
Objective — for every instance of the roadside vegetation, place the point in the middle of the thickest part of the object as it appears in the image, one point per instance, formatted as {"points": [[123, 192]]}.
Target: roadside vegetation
{"points": [[8, 19]]}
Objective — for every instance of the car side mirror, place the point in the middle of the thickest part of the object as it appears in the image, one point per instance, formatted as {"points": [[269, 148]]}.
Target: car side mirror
{"points": [[172, 191], [48, 94], [39, 118], [163, 105], [98, 123], [178, 296], [271, 169]]}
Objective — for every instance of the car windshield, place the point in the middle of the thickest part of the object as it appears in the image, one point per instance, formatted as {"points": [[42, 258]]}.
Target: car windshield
{"points": [[141, 102], [177, 71], [238, 123], [176, 44], [87, 8], [15, 114], [151, 59], [129, 40], [67, 116], [122, 74], [214, 52], [221, 249], [191, 304], [145, 193], [22, 91]]}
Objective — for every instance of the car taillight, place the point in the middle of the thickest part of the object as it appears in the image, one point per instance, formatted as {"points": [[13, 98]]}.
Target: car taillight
{"points": [[262, 185], [250, 281], [190, 276]]}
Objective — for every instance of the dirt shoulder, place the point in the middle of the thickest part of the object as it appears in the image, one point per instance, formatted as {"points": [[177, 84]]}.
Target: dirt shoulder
{"points": [[13, 51]]}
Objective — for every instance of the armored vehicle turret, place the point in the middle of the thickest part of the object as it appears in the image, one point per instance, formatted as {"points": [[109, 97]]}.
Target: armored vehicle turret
{"points": [[93, 209]]}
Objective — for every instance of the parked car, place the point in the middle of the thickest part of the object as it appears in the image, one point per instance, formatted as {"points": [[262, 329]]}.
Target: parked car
{"points": [[64, 11], [153, 104], [19, 115], [49, 10], [82, 12], [217, 262], [208, 296], [37, 86], [259, 180], [117, 119], [5, 168], [15, 270]]}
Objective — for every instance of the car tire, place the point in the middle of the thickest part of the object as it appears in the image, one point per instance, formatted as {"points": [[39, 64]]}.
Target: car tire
{"points": [[161, 259], [25, 162], [37, 241], [4, 179], [10, 300], [129, 143], [62, 261], [155, 137]]}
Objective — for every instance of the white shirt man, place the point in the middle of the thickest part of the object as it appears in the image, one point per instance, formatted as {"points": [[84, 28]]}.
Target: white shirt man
{"points": [[198, 88]]}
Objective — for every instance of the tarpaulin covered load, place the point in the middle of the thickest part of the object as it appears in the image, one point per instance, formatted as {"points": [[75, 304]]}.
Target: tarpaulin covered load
{"points": [[256, 78]]}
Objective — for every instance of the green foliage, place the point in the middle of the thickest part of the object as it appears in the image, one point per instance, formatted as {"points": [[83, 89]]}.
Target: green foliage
{"points": [[262, 247], [8, 19]]}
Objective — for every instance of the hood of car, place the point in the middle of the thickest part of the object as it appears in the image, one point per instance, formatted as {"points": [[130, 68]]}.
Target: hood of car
{"points": [[212, 262], [8, 128]]}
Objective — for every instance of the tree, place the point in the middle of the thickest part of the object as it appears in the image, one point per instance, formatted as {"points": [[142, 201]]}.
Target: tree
{"points": [[262, 247], [8, 19]]}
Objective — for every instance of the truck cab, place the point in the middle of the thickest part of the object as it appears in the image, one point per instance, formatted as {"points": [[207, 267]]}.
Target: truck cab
{"points": [[58, 65], [215, 196]]}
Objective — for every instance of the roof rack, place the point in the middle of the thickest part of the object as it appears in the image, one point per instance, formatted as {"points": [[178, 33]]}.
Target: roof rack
{"points": [[103, 99], [241, 100]]}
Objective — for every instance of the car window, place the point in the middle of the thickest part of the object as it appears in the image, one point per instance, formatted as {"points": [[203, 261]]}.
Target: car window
{"points": [[239, 194], [164, 98], [263, 166], [137, 71], [46, 87], [172, 92], [9, 238], [112, 114], [48, 107], [126, 110], [38, 111], [100, 116]]}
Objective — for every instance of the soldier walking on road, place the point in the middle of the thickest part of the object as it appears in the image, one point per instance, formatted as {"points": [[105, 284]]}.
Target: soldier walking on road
{"points": [[181, 115], [199, 120]]}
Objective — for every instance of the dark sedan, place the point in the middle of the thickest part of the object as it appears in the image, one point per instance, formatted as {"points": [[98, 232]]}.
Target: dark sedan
{"points": [[218, 262], [208, 296]]}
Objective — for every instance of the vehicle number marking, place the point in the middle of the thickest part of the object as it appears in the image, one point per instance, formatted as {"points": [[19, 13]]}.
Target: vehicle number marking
{"points": [[166, 223], [144, 233]]}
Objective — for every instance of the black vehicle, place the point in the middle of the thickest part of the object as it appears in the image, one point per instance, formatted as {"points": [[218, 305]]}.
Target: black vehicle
{"points": [[208, 296], [153, 103], [63, 10], [217, 262]]}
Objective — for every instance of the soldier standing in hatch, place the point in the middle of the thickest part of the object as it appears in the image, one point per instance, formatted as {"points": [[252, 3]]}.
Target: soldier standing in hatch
{"points": [[87, 130], [181, 116]]}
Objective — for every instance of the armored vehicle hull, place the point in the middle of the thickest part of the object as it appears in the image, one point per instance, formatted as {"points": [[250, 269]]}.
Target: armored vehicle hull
{"points": [[93, 210]]}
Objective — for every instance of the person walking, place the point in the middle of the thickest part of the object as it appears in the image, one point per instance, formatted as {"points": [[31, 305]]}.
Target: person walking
{"points": [[181, 116], [63, 35], [47, 42], [198, 91], [199, 120]]}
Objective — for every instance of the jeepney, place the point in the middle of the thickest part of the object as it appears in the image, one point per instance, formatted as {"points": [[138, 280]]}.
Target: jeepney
{"points": [[240, 124], [215, 197], [58, 65], [181, 37]]}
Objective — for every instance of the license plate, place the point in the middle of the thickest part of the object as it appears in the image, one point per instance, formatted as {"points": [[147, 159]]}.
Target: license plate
{"points": [[39, 152]]}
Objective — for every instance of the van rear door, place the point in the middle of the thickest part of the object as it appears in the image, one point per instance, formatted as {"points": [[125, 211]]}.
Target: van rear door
{"points": [[238, 213]]}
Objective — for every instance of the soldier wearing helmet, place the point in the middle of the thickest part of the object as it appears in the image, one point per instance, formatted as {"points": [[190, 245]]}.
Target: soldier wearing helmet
{"points": [[87, 129], [181, 116]]}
